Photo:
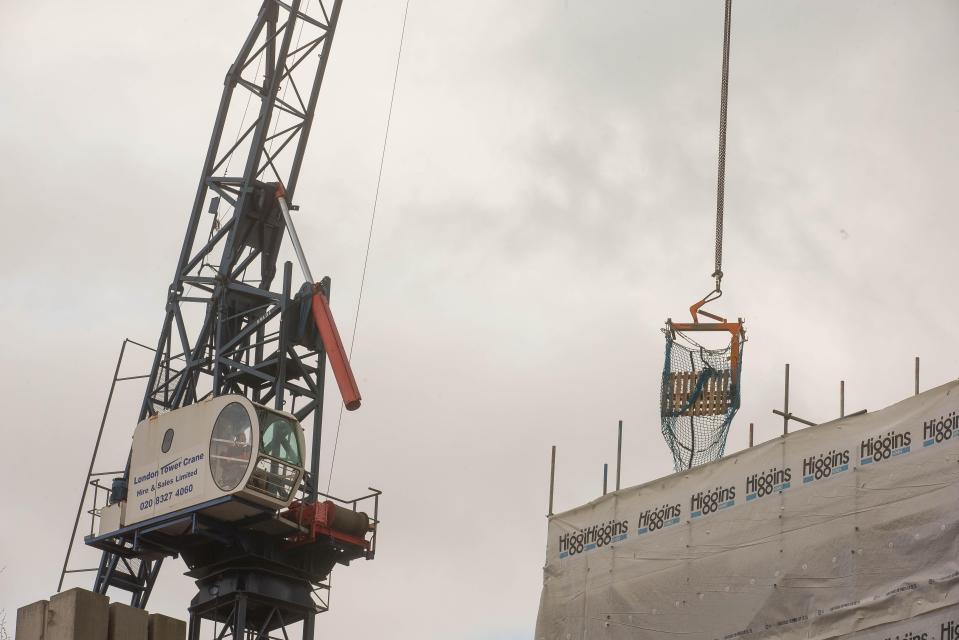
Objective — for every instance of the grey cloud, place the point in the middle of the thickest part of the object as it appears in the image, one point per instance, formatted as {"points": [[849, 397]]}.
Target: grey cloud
{"points": [[547, 202]]}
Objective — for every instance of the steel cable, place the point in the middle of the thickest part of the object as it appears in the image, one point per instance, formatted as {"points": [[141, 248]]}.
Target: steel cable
{"points": [[721, 177], [369, 239]]}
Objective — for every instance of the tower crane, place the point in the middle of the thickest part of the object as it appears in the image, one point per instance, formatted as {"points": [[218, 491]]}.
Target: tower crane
{"points": [[218, 473]]}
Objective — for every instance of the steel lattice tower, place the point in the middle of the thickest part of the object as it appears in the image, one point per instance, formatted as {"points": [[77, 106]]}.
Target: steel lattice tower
{"points": [[227, 329]]}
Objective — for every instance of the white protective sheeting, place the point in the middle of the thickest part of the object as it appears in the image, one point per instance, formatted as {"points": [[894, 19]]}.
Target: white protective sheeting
{"points": [[845, 529]]}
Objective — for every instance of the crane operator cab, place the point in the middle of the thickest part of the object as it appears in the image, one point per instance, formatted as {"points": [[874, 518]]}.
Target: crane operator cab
{"points": [[226, 457]]}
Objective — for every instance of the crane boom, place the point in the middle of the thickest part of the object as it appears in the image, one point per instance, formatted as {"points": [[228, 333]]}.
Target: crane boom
{"points": [[228, 347]]}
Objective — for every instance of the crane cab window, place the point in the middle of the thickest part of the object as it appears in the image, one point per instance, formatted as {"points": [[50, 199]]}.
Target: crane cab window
{"points": [[231, 446], [279, 438], [278, 466]]}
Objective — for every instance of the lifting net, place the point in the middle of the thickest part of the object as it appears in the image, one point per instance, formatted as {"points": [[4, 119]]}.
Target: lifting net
{"points": [[698, 400]]}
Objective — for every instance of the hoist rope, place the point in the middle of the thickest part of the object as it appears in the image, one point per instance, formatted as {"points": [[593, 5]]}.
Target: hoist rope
{"points": [[721, 178], [369, 237]]}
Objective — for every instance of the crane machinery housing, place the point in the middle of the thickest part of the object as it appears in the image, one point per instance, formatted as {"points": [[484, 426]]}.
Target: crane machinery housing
{"points": [[218, 473]]}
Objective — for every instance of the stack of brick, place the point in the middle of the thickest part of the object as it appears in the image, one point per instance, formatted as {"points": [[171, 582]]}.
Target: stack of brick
{"points": [[79, 614]]}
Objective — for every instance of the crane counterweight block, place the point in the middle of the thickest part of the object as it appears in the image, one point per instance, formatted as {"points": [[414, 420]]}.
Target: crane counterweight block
{"points": [[333, 345]]}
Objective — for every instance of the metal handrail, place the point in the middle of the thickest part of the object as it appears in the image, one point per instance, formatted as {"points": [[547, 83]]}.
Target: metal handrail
{"points": [[96, 448]]}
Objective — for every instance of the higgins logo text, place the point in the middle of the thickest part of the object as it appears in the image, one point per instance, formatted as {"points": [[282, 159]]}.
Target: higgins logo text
{"points": [[824, 465], [762, 484], [938, 430], [658, 518], [878, 448], [589, 538], [711, 500]]}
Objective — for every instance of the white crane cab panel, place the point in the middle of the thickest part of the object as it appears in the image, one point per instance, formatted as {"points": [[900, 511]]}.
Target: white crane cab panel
{"points": [[224, 446]]}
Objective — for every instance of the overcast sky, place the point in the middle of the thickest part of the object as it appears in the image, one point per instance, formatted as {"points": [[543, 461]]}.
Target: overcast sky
{"points": [[547, 202]]}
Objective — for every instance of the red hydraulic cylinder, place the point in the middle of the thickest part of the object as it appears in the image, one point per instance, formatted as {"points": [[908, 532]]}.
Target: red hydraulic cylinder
{"points": [[339, 361]]}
